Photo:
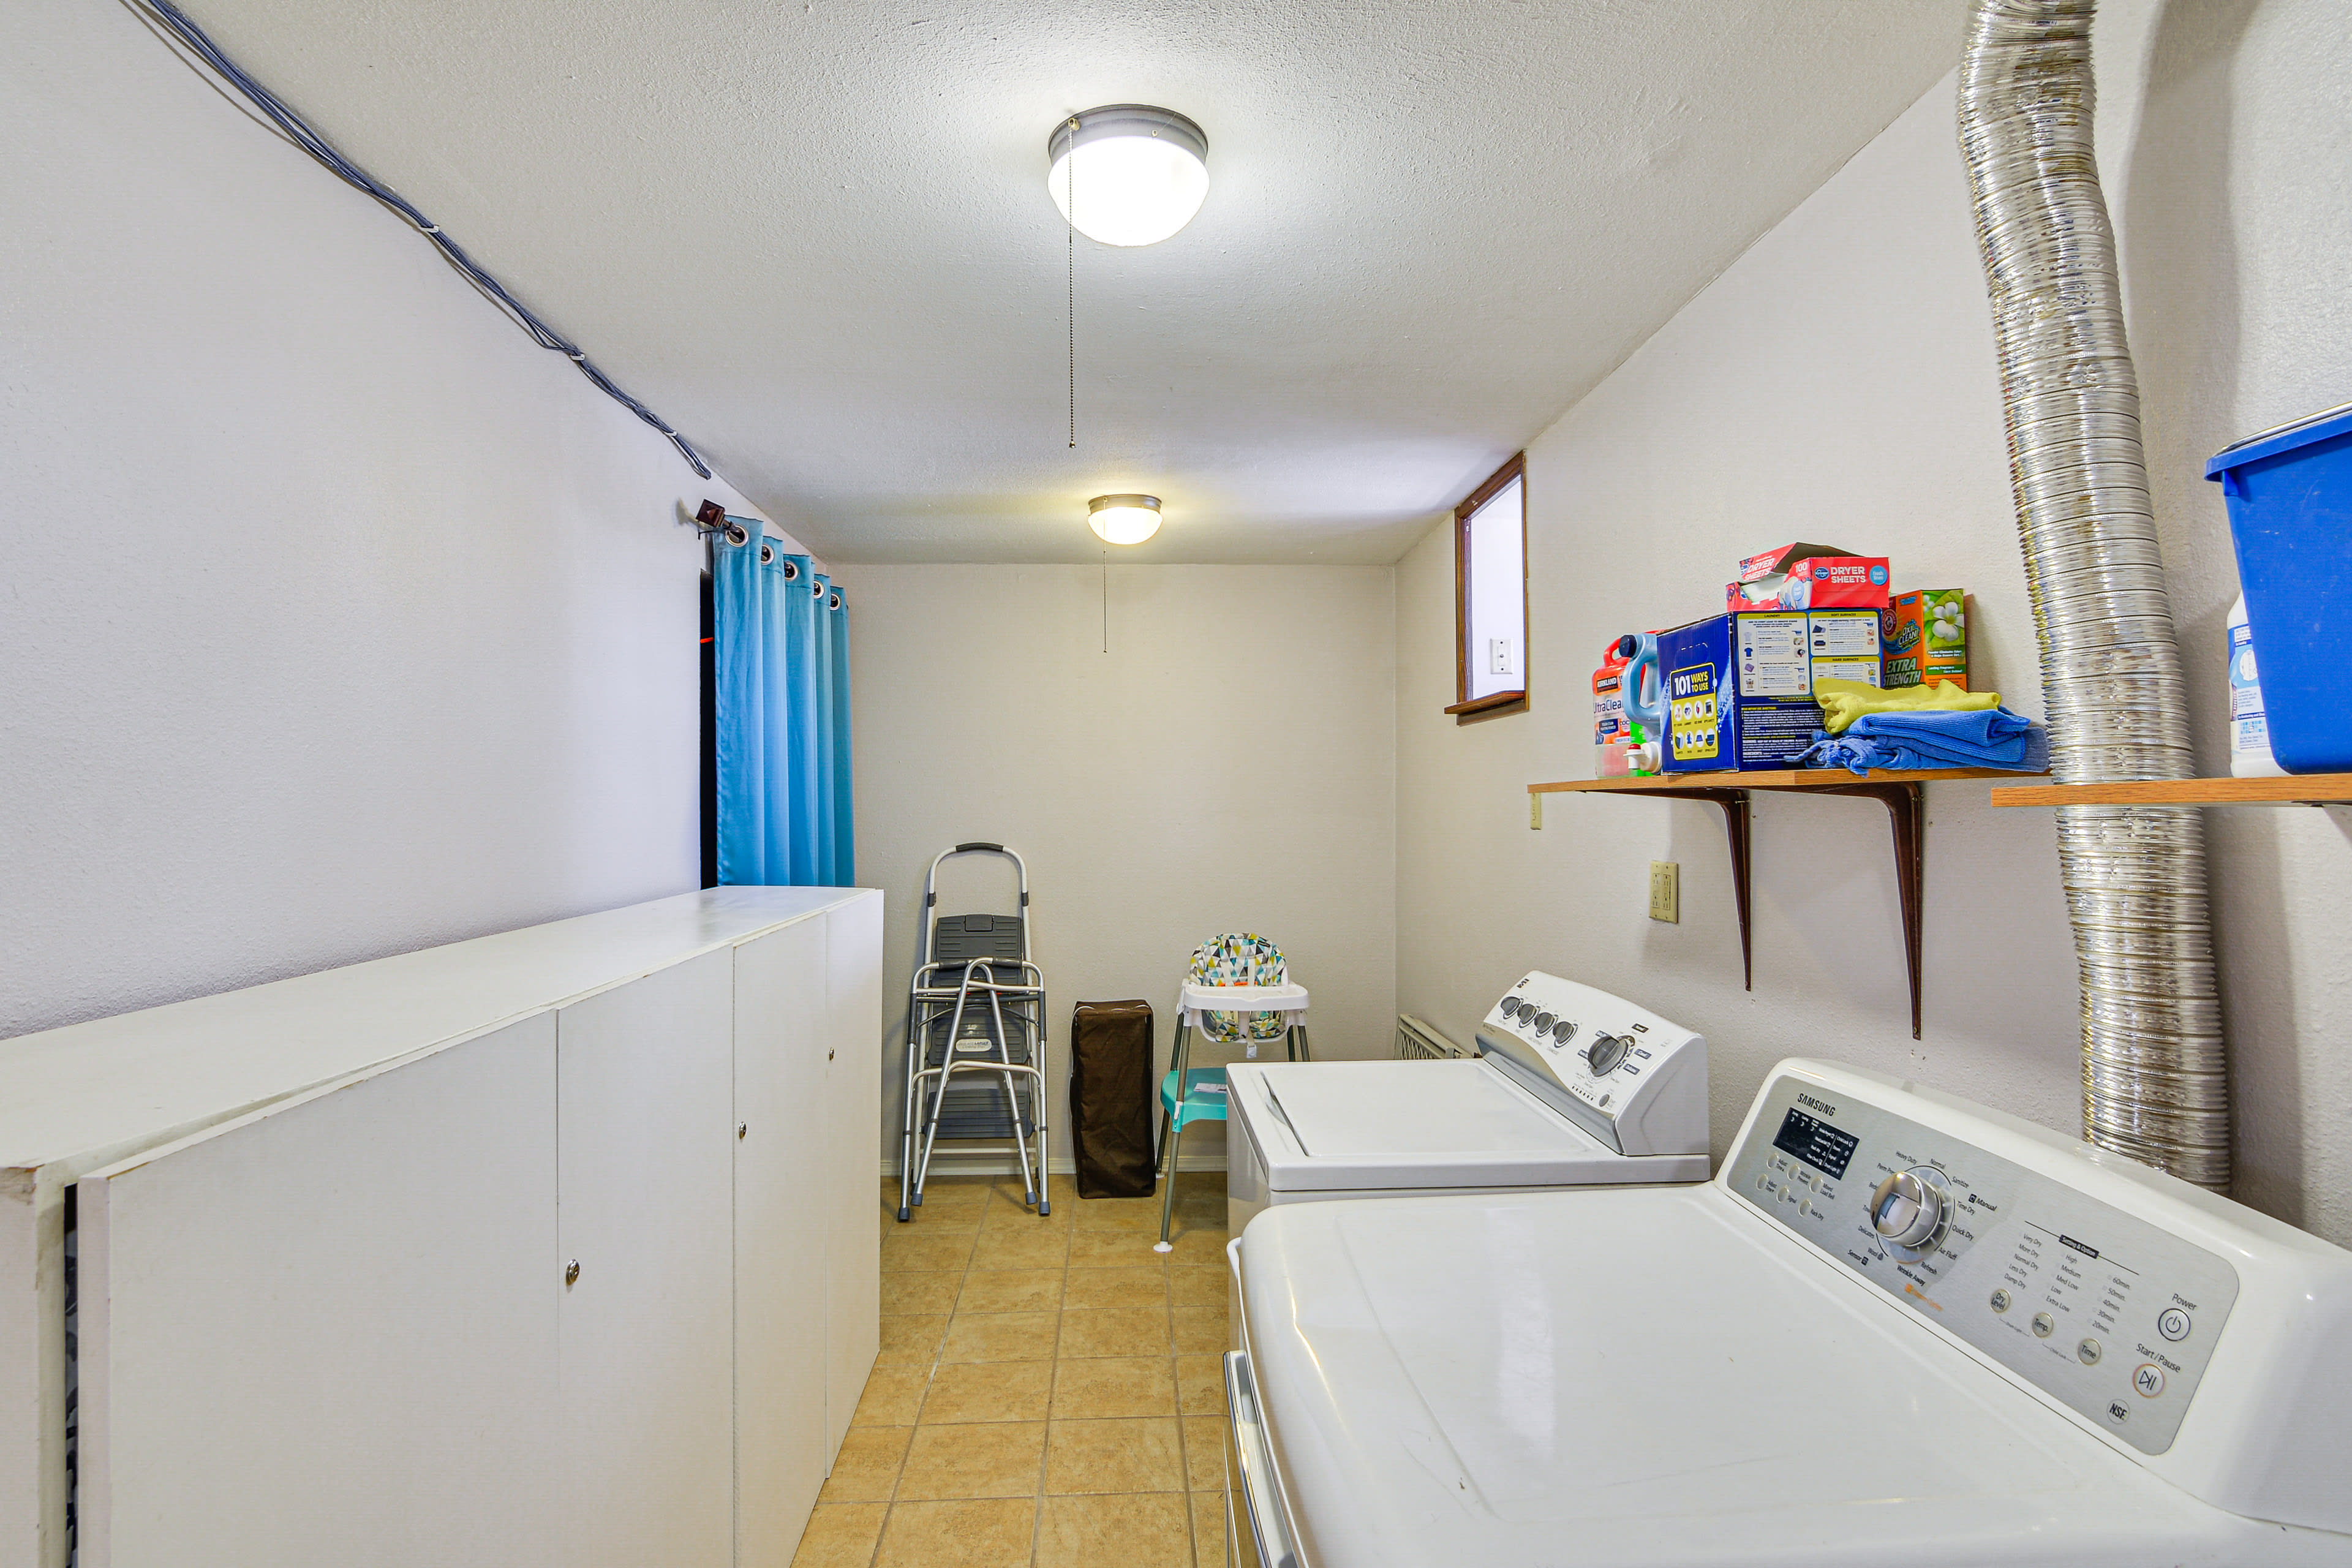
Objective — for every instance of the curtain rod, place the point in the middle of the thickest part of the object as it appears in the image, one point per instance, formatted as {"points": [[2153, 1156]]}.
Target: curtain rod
{"points": [[712, 518]]}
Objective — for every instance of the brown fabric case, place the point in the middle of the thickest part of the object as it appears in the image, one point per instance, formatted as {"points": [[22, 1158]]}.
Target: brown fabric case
{"points": [[1111, 1099]]}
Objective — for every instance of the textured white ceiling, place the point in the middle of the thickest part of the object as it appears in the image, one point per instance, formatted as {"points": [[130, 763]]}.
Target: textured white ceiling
{"points": [[816, 236]]}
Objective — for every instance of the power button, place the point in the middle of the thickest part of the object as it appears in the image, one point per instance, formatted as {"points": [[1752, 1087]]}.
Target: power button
{"points": [[2173, 1323]]}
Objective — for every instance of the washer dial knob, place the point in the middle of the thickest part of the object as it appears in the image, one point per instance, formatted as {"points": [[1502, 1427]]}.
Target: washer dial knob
{"points": [[1909, 1211], [1604, 1053]]}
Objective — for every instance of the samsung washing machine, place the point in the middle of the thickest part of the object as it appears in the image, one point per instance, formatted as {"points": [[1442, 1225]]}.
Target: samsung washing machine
{"points": [[1894, 1329]]}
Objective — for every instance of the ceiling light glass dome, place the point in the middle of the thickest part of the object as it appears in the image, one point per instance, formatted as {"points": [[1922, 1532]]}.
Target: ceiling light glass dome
{"points": [[1140, 172], [1124, 519]]}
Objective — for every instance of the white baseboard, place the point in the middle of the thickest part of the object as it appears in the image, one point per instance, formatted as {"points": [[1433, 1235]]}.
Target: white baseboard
{"points": [[947, 1164]]}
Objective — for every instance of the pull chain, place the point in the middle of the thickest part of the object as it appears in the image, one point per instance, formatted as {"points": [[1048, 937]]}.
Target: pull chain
{"points": [[1105, 601], [1070, 253]]}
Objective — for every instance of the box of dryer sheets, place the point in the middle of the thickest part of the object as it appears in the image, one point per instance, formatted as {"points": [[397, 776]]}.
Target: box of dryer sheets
{"points": [[1738, 691], [1924, 638], [1762, 578], [1774, 564], [1809, 577]]}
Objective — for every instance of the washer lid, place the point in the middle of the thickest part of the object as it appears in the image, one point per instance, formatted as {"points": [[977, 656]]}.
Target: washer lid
{"points": [[1638, 1378], [1331, 1126]]}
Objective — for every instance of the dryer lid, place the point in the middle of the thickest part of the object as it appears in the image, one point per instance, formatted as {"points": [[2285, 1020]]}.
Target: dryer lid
{"points": [[1388, 1125], [1413, 1107]]}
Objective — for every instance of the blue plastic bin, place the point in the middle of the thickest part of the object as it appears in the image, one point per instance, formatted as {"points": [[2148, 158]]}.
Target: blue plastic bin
{"points": [[2290, 498]]}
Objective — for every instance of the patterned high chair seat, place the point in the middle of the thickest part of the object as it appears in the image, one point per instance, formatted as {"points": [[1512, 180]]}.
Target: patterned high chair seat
{"points": [[1239, 958]]}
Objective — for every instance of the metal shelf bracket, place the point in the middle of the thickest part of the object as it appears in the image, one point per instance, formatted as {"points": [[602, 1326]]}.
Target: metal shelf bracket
{"points": [[1906, 812]]}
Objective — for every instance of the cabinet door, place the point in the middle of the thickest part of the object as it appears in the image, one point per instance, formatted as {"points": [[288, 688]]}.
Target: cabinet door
{"points": [[780, 1025], [326, 1333], [645, 1165], [853, 1098]]}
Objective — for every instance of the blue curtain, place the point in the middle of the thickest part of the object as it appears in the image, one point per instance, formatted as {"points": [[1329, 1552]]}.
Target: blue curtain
{"points": [[781, 653]]}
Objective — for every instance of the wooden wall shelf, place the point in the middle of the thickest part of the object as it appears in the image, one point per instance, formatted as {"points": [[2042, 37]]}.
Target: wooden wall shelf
{"points": [[2304, 789], [1900, 791]]}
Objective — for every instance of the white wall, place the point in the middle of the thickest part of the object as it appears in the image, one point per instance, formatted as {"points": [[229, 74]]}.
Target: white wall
{"points": [[1228, 765], [336, 618], [1837, 384]]}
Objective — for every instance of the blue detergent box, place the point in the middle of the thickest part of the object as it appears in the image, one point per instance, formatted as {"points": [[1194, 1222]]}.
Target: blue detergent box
{"points": [[1739, 691]]}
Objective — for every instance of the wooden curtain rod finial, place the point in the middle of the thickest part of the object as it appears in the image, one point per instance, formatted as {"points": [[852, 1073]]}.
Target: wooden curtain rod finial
{"points": [[713, 519]]}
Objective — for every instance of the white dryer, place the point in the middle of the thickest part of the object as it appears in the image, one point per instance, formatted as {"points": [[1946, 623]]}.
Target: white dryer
{"points": [[1894, 1329], [1571, 1088]]}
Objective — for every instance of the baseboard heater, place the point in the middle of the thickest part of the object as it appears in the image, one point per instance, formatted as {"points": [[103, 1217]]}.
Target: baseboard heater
{"points": [[1416, 1041]]}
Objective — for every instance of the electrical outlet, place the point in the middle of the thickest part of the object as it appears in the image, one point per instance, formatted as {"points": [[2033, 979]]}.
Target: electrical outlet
{"points": [[1534, 811], [1498, 656], [1666, 891]]}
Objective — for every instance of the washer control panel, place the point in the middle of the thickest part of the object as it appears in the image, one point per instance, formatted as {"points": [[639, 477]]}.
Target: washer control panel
{"points": [[2111, 1316], [1625, 1074]]}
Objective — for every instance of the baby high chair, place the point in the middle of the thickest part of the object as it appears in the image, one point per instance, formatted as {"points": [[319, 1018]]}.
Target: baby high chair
{"points": [[1236, 991]]}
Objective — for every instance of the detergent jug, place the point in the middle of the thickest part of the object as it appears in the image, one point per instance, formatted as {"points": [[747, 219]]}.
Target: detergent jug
{"points": [[2250, 732], [1645, 702], [1610, 734]]}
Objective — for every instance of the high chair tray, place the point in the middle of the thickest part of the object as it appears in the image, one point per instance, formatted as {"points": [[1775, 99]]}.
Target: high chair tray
{"points": [[1284, 998]]}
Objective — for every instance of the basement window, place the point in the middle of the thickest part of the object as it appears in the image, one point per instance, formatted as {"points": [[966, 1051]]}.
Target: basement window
{"points": [[1490, 597]]}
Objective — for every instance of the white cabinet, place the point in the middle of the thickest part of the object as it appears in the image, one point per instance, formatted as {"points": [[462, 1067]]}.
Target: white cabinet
{"points": [[315, 1319], [853, 1089], [331, 1324], [645, 1199], [780, 1040]]}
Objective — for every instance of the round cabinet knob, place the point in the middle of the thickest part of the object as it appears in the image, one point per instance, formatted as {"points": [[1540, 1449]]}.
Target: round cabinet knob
{"points": [[1604, 1053], [571, 1272], [1909, 1210]]}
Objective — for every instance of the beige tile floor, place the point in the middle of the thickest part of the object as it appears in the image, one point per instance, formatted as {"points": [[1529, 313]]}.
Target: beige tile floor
{"points": [[1049, 1391]]}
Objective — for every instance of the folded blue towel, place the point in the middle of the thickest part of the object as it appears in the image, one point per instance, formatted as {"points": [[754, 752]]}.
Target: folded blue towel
{"points": [[1928, 738]]}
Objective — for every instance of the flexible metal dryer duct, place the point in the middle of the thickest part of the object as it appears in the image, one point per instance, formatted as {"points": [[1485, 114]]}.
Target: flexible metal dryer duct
{"points": [[2155, 1080]]}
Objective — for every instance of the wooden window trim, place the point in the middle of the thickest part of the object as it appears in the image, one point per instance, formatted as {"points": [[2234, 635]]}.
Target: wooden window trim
{"points": [[1465, 709]]}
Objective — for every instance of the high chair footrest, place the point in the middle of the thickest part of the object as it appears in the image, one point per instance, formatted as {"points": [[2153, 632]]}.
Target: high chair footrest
{"points": [[1203, 1098]]}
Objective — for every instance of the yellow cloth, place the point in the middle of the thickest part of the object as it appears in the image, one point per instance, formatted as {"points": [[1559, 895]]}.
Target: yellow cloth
{"points": [[1843, 701]]}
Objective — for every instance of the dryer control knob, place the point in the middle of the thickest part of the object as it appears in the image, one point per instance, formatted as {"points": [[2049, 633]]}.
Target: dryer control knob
{"points": [[1604, 1053], [1909, 1211]]}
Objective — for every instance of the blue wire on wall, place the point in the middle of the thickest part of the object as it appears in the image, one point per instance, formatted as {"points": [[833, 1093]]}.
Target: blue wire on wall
{"points": [[301, 134]]}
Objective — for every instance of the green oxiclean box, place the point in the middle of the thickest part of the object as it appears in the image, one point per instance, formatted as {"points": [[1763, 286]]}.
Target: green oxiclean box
{"points": [[1924, 638]]}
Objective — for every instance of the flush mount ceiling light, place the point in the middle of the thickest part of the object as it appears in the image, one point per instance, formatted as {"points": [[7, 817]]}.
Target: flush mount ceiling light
{"points": [[1124, 519], [1141, 173]]}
